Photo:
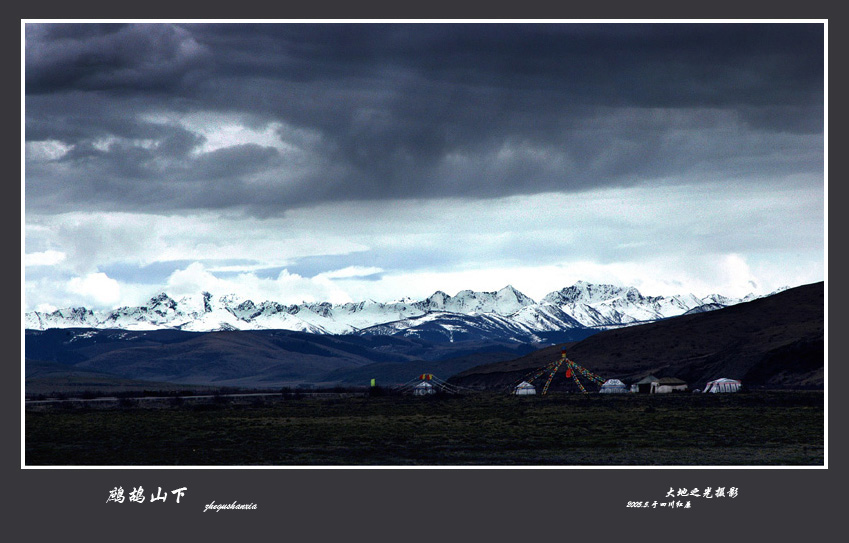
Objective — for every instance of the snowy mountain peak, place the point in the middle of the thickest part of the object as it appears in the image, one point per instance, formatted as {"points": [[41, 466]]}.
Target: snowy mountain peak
{"points": [[436, 301], [716, 299], [510, 293], [162, 301], [632, 294], [504, 302], [590, 293], [605, 305], [581, 305], [229, 299]]}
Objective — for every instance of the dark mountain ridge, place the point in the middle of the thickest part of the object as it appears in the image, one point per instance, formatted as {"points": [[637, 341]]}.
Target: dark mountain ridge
{"points": [[772, 342]]}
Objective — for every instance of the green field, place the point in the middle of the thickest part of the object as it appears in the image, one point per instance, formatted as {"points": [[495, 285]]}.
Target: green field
{"points": [[756, 428]]}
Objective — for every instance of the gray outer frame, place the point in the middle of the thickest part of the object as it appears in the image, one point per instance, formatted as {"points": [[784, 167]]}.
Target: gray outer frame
{"points": [[419, 504]]}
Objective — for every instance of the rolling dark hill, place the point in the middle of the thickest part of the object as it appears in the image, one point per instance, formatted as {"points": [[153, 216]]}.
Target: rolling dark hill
{"points": [[389, 373], [239, 358], [772, 342], [261, 358]]}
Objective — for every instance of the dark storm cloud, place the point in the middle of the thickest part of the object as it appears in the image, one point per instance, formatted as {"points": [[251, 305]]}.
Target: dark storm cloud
{"points": [[236, 160], [536, 65], [420, 110], [110, 58]]}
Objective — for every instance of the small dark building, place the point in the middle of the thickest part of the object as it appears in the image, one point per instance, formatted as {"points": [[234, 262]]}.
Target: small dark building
{"points": [[646, 385], [670, 384], [653, 385]]}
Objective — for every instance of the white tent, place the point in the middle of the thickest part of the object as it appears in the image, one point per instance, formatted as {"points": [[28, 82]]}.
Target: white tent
{"points": [[423, 388], [723, 385], [524, 388], [613, 386]]}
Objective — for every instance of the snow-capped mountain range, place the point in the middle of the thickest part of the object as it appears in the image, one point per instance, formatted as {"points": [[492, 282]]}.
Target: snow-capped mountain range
{"points": [[583, 305]]}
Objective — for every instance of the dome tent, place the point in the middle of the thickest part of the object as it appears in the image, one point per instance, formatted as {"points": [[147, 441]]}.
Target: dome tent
{"points": [[423, 388], [613, 386], [524, 389], [723, 385]]}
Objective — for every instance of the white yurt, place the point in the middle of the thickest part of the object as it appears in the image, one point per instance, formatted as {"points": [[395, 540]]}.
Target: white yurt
{"points": [[524, 389], [423, 388], [723, 385], [613, 386]]}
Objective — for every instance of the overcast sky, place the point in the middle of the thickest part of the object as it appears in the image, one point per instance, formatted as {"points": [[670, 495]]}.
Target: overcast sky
{"points": [[340, 162]]}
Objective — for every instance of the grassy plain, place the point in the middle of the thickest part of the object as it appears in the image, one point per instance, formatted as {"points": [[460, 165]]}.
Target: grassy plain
{"points": [[755, 428]]}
